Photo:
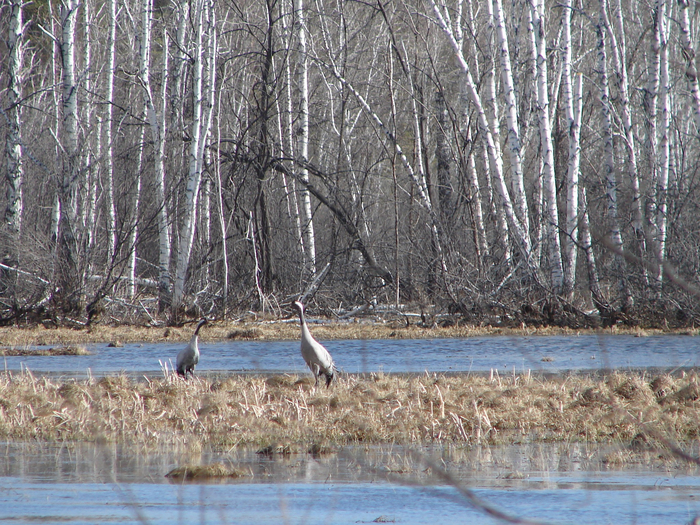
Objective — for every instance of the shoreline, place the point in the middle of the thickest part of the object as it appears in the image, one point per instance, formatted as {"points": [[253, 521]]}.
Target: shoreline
{"points": [[286, 329]]}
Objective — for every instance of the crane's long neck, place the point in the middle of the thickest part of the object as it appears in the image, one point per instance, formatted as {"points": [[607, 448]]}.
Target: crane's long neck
{"points": [[302, 321]]}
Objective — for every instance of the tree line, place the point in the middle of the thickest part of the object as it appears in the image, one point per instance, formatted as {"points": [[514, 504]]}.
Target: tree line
{"points": [[518, 161]]}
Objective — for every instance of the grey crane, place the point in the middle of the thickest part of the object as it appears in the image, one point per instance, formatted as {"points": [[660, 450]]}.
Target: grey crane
{"points": [[188, 357], [314, 353]]}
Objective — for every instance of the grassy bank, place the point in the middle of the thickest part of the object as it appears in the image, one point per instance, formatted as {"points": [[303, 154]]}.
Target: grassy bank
{"points": [[274, 330], [284, 413]]}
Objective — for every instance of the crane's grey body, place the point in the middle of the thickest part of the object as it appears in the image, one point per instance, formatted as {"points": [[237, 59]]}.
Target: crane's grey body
{"points": [[188, 358], [314, 353]]}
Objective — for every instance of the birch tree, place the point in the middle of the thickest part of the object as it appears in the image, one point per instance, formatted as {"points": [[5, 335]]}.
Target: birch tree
{"points": [[110, 206], [512, 122], [549, 180], [302, 132], [664, 148], [495, 162], [609, 172], [199, 128], [69, 192], [572, 109], [619, 59], [688, 51], [157, 125], [13, 115]]}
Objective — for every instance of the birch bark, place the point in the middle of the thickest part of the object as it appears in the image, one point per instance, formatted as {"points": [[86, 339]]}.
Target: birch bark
{"points": [[664, 148], [572, 109], [198, 129], [549, 180], [511, 113], [302, 133], [691, 73], [13, 140], [69, 227], [110, 206]]}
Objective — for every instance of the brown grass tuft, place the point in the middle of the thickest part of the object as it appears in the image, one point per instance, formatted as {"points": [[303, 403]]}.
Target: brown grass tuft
{"points": [[203, 472], [246, 334]]}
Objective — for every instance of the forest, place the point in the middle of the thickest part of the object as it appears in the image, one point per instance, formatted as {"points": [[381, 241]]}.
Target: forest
{"points": [[510, 162]]}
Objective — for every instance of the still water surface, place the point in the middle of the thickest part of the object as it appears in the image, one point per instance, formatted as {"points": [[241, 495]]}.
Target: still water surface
{"points": [[475, 354], [87, 483]]}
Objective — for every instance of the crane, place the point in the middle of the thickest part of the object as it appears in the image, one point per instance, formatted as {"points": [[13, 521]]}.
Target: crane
{"points": [[314, 353], [188, 357]]}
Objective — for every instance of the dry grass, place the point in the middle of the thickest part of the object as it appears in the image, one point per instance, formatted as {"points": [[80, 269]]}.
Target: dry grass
{"points": [[61, 350], [283, 413], [205, 472]]}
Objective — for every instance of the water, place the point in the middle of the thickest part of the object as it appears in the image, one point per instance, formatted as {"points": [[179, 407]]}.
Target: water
{"points": [[553, 354], [87, 483], [564, 483]]}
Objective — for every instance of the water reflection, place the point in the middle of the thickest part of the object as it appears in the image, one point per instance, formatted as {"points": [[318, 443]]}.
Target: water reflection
{"points": [[91, 483], [489, 465]]}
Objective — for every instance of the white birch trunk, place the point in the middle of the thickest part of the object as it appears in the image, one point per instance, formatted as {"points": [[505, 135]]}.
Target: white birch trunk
{"points": [[302, 133], [134, 231], [664, 149], [287, 141], [511, 113], [88, 209], [55, 226], [551, 218], [13, 139], [572, 109], [195, 174], [164, 278], [496, 209], [69, 227], [221, 217], [650, 102], [110, 206], [691, 73]]}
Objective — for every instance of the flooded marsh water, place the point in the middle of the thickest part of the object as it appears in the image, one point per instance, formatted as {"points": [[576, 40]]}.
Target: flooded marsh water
{"points": [[573, 483], [551, 354], [89, 483]]}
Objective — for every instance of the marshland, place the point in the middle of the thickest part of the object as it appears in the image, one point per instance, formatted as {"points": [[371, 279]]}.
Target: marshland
{"points": [[285, 413], [511, 427]]}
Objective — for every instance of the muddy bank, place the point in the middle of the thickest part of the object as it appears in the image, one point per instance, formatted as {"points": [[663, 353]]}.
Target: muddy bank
{"points": [[284, 413]]}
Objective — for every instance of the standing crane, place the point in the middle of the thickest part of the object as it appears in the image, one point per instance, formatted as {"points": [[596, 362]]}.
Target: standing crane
{"points": [[314, 353], [188, 357]]}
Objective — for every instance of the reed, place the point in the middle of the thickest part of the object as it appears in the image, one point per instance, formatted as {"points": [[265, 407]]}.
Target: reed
{"points": [[285, 412]]}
